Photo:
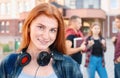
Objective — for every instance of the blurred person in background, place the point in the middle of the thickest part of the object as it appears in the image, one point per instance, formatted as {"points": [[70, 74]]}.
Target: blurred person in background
{"points": [[72, 32], [116, 42], [96, 47]]}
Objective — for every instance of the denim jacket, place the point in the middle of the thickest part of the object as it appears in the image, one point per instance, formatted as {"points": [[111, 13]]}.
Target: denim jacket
{"points": [[63, 66]]}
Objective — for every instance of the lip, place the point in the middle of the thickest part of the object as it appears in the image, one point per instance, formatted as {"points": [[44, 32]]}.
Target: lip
{"points": [[43, 42]]}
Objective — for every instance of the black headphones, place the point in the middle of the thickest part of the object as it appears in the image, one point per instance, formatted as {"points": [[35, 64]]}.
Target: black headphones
{"points": [[43, 58]]}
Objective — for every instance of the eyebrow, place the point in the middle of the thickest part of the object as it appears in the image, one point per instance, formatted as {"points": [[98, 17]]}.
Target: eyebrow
{"points": [[41, 24], [45, 25]]}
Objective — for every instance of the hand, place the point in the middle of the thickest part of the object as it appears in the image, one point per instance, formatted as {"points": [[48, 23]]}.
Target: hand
{"points": [[118, 59], [83, 46], [90, 43], [114, 39]]}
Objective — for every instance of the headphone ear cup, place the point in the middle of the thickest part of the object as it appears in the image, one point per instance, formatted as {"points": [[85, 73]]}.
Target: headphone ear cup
{"points": [[43, 58], [24, 59]]}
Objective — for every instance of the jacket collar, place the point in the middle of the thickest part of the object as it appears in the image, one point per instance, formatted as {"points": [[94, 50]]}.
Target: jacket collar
{"points": [[57, 55]]}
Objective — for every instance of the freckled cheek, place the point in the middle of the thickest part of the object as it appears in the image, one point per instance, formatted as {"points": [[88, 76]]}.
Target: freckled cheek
{"points": [[39, 32], [53, 36]]}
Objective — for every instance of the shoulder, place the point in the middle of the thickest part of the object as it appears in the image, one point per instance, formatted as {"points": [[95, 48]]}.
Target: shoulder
{"points": [[101, 37], [68, 61], [69, 31], [67, 58], [62, 57], [71, 66], [11, 57], [88, 38], [8, 62]]}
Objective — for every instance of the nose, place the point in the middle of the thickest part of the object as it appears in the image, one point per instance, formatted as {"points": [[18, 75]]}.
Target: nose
{"points": [[46, 35]]}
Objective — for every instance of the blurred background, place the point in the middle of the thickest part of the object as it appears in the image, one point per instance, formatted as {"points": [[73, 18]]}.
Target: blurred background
{"points": [[14, 12]]}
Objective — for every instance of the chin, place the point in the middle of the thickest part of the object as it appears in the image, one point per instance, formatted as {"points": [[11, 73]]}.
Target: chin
{"points": [[43, 47]]}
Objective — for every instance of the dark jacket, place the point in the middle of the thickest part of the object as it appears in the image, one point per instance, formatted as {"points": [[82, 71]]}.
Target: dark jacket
{"points": [[63, 66]]}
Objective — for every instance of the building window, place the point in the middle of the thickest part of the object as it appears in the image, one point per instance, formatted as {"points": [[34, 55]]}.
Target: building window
{"points": [[3, 8], [91, 4], [8, 8], [20, 7], [82, 4], [2, 27], [0, 8], [27, 8], [114, 4], [79, 3], [114, 29], [3, 23], [70, 4], [20, 27], [7, 26]]}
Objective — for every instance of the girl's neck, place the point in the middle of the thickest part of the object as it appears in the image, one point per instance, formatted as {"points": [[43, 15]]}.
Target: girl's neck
{"points": [[34, 52], [95, 36]]}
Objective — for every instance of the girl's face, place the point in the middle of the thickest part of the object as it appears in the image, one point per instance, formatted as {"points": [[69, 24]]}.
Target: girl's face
{"points": [[96, 30], [117, 22], [43, 32]]}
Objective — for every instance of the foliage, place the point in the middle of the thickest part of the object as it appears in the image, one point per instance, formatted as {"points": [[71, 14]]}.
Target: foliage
{"points": [[6, 48]]}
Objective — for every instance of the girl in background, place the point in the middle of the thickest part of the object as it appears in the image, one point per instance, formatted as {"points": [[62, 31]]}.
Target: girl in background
{"points": [[96, 46]]}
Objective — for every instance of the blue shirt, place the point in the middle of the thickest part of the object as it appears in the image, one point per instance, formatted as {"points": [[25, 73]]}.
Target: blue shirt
{"points": [[24, 75], [64, 66]]}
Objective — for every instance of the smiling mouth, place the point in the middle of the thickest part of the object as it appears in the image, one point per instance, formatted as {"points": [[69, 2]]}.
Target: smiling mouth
{"points": [[43, 42]]}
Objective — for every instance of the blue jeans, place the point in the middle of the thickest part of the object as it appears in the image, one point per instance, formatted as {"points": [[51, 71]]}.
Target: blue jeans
{"points": [[117, 70], [95, 64]]}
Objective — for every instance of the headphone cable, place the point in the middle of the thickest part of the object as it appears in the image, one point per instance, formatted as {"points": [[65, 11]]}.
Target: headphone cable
{"points": [[36, 71]]}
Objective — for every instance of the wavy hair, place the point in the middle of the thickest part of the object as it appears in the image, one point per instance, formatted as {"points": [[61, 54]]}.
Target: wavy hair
{"points": [[52, 12]]}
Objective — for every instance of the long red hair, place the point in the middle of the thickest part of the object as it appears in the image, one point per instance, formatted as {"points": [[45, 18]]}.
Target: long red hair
{"points": [[50, 11]]}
